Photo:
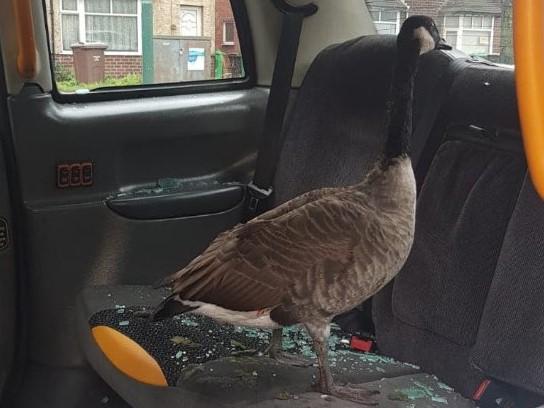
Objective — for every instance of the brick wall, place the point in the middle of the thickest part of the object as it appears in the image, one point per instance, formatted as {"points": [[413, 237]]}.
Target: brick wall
{"points": [[65, 60], [223, 12], [117, 66]]}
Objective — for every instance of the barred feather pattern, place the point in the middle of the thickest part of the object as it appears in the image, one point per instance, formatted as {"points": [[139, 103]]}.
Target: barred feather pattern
{"points": [[313, 257]]}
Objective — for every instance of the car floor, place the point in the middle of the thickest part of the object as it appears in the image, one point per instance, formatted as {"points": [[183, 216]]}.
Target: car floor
{"points": [[51, 387]]}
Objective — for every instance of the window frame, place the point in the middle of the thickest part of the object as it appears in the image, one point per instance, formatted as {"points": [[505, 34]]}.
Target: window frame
{"points": [[460, 29], [225, 41], [380, 10], [243, 29], [81, 13], [62, 13]]}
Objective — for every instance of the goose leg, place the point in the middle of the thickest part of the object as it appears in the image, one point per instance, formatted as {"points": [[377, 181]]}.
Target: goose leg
{"points": [[355, 393], [275, 352]]}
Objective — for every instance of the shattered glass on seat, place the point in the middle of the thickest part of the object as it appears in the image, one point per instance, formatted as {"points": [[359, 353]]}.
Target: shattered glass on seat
{"points": [[226, 364]]}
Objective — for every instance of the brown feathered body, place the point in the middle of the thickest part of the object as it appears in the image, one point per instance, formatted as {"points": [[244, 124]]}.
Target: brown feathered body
{"points": [[309, 259]]}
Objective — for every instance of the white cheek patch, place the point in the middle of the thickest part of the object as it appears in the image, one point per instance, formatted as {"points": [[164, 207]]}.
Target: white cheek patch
{"points": [[425, 39]]}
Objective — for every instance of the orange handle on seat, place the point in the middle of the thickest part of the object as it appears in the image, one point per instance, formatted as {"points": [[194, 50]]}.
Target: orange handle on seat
{"points": [[27, 61], [529, 59]]}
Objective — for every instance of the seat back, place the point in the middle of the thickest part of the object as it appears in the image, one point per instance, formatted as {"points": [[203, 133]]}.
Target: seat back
{"points": [[510, 341], [334, 133], [430, 315]]}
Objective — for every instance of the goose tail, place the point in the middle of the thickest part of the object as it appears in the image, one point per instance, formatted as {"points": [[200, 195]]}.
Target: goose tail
{"points": [[170, 307]]}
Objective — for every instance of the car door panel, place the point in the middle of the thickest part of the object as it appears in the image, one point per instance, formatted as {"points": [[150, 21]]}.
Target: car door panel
{"points": [[8, 263], [132, 142], [8, 289], [82, 245], [168, 176]]}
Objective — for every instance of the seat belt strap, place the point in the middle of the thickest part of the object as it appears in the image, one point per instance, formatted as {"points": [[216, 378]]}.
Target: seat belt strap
{"points": [[260, 189]]}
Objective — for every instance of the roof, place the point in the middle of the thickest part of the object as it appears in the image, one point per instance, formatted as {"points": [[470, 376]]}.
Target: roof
{"points": [[395, 4], [472, 6]]}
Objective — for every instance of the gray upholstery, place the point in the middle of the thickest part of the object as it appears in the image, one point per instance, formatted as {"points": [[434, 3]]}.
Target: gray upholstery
{"points": [[463, 209], [431, 313], [510, 343], [335, 133]]}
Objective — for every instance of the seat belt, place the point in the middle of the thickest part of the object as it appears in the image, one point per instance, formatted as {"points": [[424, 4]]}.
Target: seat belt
{"points": [[260, 189]]}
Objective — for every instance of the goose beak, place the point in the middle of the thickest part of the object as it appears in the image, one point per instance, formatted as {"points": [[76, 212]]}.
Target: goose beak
{"points": [[443, 45]]}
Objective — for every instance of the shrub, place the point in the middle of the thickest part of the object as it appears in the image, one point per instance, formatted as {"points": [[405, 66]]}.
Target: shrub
{"points": [[63, 74], [71, 85]]}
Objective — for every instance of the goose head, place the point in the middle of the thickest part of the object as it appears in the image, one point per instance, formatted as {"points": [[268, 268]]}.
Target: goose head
{"points": [[420, 33]]}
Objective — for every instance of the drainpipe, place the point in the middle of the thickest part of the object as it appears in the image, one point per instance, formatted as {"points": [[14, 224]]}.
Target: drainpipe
{"points": [[52, 28]]}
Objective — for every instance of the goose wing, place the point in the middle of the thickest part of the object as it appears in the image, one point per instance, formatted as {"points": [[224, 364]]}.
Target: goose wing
{"points": [[251, 267], [298, 202], [212, 251]]}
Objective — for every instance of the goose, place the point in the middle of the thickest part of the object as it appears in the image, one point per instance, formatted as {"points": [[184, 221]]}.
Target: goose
{"points": [[322, 253]]}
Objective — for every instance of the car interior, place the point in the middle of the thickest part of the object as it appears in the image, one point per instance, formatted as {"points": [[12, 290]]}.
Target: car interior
{"points": [[105, 191]]}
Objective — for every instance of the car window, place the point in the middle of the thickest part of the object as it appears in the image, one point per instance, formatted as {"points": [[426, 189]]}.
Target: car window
{"points": [[111, 43], [480, 28]]}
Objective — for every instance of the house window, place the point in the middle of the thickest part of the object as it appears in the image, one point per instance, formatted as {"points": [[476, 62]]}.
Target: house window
{"points": [[69, 23], [191, 21], [112, 22], [386, 21], [229, 33], [472, 34]]}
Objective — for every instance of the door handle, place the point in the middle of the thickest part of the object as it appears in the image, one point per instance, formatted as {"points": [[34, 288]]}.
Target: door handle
{"points": [[177, 204]]}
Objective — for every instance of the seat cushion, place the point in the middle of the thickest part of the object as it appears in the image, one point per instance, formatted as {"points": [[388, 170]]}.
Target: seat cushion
{"points": [[205, 364]]}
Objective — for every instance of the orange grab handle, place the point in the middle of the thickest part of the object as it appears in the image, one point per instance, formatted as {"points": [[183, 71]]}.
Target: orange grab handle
{"points": [[529, 59], [26, 58]]}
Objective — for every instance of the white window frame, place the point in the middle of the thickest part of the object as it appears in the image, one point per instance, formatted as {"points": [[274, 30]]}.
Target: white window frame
{"points": [[379, 21], [67, 12], [80, 12], [461, 28], [225, 42], [199, 19]]}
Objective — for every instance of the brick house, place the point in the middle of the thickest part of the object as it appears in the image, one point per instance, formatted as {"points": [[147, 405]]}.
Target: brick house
{"points": [[226, 39], [478, 27], [118, 24], [71, 21]]}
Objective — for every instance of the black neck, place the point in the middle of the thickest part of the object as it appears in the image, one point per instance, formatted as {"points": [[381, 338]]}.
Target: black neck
{"points": [[399, 129]]}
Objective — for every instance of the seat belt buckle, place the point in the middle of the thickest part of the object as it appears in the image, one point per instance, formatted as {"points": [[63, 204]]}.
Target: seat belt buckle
{"points": [[491, 395], [256, 195], [359, 344]]}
